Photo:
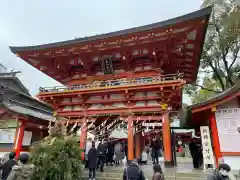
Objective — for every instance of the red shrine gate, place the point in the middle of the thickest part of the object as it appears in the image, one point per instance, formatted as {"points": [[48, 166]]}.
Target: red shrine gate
{"points": [[133, 75]]}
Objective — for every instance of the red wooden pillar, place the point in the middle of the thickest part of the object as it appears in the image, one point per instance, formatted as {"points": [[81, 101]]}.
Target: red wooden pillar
{"points": [[130, 138], [83, 138], [167, 140], [137, 145], [142, 140], [215, 137], [19, 136]]}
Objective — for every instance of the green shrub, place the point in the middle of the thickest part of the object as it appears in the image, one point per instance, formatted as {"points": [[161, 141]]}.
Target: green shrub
{"points": [[57, 157]]}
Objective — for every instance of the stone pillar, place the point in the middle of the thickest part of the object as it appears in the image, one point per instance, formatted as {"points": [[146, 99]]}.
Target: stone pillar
{"points": [[167, 140], [130, 139], [19, 137]]}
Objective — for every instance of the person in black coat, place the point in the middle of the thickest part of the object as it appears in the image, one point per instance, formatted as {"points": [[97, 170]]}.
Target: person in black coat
{"points": [[102, 148], [133, 171], [7, 166], [156, 150], [194, 152], [92, 161], [110, 153]]}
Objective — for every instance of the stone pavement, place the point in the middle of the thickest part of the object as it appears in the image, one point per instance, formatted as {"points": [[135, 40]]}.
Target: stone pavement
{"points": [[183, 171]]}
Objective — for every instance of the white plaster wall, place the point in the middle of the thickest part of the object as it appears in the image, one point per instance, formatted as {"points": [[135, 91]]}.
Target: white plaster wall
{"points": [[232, 161], [152, 93], [95, 98], [139, 94], [152, 102], [116, 96], [140, 103]]}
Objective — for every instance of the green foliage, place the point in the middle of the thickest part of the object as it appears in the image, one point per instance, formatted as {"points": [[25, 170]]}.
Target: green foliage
{"points": [[57, 157], [220, 61]]}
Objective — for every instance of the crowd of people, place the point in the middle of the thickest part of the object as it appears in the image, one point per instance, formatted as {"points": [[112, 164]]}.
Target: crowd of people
{"points": [[112, 152], [98, 153], [17, 170]]}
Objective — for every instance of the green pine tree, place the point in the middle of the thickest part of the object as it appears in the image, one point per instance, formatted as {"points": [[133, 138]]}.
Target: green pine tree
{"points": [[57, 157]]}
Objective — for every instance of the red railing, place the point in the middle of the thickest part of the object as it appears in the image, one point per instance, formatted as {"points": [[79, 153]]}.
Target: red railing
{"points": [[115, 83]]}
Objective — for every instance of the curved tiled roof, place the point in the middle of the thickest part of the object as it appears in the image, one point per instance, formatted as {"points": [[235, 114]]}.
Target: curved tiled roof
{"points": [[218, 97], [203, 13]]}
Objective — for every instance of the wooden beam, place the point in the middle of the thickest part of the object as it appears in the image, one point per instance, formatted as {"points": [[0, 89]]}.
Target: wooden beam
{"points": [[117, 111]]}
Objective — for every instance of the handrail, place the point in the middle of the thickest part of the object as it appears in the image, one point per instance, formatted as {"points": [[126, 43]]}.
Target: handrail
{"points": [[114, 83]]}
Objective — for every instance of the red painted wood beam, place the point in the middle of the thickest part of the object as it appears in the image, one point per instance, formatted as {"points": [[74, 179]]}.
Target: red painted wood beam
{"points": [[112, 89], [147, 118], [103, 101], [112, 111]]}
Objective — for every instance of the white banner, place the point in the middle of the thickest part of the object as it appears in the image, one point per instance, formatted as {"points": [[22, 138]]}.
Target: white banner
{"points": [[27, 138], [228, 121], [208, 157]]}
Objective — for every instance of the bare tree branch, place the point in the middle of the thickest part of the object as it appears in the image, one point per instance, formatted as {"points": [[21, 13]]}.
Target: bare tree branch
{"points": [[224, 52], [217, 75], [235, 57]]}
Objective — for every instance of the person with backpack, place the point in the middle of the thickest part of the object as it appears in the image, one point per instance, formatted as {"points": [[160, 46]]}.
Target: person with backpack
{"points": [[6, 167], [22, 171], [133, 172], [93, 155], [221, 173], [158, 173]]}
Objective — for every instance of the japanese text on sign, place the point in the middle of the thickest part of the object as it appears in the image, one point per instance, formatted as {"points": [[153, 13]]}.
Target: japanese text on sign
{"points": [[206, 146]]}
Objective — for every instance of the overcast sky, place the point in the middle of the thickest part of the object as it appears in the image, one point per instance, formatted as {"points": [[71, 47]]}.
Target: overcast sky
{"points": [[31, 22]]}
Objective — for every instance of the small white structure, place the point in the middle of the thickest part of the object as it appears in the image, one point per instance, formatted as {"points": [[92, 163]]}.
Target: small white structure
{"points": [[119, 133]]}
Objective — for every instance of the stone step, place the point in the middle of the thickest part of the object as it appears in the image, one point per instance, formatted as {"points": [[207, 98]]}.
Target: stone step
{"points": [[108, 173], [149, 178], [149, 175]]}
